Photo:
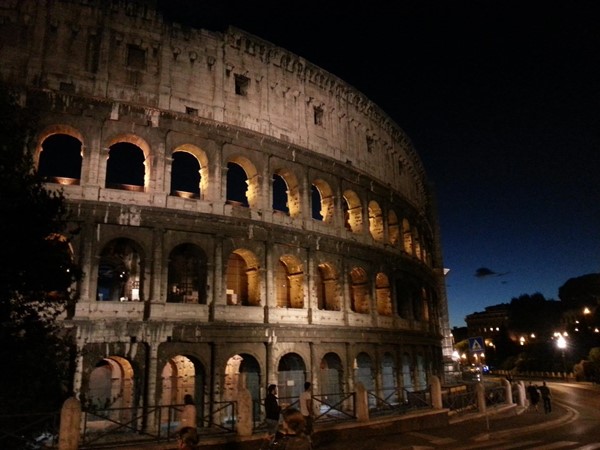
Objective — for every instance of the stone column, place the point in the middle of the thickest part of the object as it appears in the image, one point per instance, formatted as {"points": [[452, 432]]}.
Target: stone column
{"points": [[70, 420], [436, 392]]}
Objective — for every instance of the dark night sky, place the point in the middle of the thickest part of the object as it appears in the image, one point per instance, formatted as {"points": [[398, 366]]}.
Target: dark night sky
{"points": [[502, 102]]}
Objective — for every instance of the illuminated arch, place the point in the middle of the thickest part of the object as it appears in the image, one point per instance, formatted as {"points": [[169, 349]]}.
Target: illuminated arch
{"points": [[252, 189], [325, 207], [384, 300], [243, 278], [289, 282], [328, 297], [292, 192], [359, 290], [352, 211], [203, 171], [376, 221], [393, 228]]}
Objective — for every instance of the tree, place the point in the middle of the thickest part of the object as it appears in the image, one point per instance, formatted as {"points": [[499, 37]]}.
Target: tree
{"points": [[36, 273]]}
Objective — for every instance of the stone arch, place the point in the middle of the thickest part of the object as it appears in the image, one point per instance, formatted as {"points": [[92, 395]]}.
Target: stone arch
{"points": [[291, 375], [182, 375], [383, 295], [359, 290], [252, 188], [128, 169], [58, 156], [393, 228], [407, 380], [389, 380], [321, 191], [243, 371], [416, 243], [328, 297], [187, 274], [120, 271], [353, 219], [292, 192], [111, 388], [407, 237], [289, 282], [331, 379], [243, 278], [189, 180], [376, 227], [364, 373]]}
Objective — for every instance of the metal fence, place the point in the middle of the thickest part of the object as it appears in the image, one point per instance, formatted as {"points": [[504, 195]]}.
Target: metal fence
{"points": [[398, 401]]}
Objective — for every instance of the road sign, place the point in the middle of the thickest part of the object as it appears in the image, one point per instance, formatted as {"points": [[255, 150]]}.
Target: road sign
{"points": [[476, 344]]}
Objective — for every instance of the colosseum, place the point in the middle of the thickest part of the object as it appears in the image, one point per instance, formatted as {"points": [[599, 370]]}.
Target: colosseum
{"points": [[246, 217]]}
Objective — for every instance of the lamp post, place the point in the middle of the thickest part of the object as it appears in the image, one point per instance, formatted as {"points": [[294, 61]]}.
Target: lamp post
{"points": [[561, 343]]}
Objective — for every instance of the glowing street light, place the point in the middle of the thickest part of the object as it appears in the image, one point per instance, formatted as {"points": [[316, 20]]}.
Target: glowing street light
{"points": [[561, 343]]}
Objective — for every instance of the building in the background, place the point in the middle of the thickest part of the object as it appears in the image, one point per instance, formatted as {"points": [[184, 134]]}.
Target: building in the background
{"points": [[246, 217]]}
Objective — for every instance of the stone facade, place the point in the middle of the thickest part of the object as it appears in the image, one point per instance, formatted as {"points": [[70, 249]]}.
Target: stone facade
{"points": [[246, 217]]}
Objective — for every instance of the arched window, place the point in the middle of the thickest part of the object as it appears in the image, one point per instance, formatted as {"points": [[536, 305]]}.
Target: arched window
{"points": [[352, 212], [364, 374], [120, 272], [327, 288], [60, 159], [407, 237], [289, 280], [360, 295], [393, 228], [384, 301], [242, 278], [291, 376], [237, 185], [376, 221], [125, 167], [185, 175], [315, 202], [187, 275], [322, 201], [280, 194]]}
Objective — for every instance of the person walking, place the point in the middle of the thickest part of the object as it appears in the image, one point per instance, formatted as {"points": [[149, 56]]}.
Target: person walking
{"points": [[545, 392], [272, 410], [534, 396], [306, 408], [293, 436]]}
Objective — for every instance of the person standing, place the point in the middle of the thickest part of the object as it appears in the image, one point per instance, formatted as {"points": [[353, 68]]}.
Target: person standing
{"points": [[545, 392], [306, 408], [188, 415], [272, 410], [293, 436]]}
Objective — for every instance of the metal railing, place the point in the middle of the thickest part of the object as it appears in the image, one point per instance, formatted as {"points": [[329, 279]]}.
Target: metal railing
{"points": [[460, 398], [335, 407], [398, 401]]}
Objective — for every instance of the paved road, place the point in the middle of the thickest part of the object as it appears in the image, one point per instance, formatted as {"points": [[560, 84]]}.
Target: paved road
{"points": [[572, 425]]}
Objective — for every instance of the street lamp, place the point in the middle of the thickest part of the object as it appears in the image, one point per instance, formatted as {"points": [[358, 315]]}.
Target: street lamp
{"points": [[561, 343]]}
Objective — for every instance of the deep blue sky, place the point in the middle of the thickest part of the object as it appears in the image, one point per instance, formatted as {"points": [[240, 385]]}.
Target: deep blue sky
{"points": [[502, 102]]}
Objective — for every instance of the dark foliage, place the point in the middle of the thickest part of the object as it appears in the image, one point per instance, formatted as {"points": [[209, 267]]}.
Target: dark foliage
{"points": [[36, 273]]}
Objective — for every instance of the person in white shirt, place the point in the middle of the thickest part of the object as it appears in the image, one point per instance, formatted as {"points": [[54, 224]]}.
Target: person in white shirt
{"points": [[306, 408]]}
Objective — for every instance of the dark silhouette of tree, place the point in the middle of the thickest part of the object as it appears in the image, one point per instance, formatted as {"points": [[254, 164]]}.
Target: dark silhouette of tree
{"points": [[581, 291], [36, 274]]}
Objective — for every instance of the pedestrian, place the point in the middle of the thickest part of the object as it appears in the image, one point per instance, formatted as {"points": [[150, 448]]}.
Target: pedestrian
{"points": [[293, 436], [272, 410], [545, 392], [188, 415], [534, 396], [306, 408], [187, 439]]}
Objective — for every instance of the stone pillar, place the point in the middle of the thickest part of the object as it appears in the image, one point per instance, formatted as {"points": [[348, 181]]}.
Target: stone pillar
{"points": [[508, 389], [70, 420], [152, 373], [436, 392], [362, 403], [244, 415], [480, 390], [521, 397]]}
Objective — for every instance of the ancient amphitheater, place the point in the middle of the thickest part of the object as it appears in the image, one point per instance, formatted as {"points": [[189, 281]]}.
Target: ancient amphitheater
{"points": [[246, 217]]}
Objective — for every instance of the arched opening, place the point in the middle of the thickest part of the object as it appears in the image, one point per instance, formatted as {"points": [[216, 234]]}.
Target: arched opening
{"points": [[407, 381], [384, 300], [242, 279], [376, 221], [60, 159], [120, 272], [393, 228], [327, 288], [352, 212], [407, 237], [110, 391], [291, 377], [289, 282], [187, 275], [242, 183], [363, 372], [322, 201], [417, 243], [388, 379], [331, 376], [185, 175], [421, 375], [180, 376], [359, 291], [280, 194], [242, 371], [125, 167]]}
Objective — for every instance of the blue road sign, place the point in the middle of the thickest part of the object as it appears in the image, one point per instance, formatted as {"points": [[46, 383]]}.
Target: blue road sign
{"points": [[476, 344]]}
